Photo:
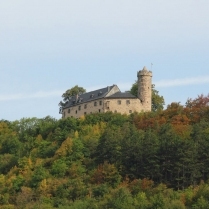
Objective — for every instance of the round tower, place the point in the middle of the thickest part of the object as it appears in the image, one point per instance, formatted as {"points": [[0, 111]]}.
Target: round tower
{"points": [[145, 88]]}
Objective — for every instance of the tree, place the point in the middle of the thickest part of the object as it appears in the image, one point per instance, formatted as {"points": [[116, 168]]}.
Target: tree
{"points": [[157, 100], [76, 90], [59, 168]]}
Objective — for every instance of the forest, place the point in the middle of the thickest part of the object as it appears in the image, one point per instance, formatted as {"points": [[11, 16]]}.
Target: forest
{"points": [[147, 160]]}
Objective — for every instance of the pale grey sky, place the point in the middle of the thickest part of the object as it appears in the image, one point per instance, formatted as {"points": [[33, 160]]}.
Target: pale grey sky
{"points": [[48, 46]]}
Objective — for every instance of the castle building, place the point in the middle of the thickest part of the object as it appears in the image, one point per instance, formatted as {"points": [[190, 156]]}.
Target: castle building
{"points": [[112, 99]]}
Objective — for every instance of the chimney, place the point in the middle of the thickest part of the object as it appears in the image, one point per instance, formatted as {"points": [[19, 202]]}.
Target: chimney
{"points": [[76, 98]]}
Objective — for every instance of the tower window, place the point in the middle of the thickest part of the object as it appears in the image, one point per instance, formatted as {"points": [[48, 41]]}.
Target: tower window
{"points": [[127, 102], [100, 102], [95, 103], [119, 102], [79, 107], [85, 106]]}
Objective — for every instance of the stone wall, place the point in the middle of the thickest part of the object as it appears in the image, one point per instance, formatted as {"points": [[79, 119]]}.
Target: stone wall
{"points": [[123, 106], [83, 109]]}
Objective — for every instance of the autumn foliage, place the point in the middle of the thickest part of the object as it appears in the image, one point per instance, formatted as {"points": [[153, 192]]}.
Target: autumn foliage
{"points": [[147, 160]]}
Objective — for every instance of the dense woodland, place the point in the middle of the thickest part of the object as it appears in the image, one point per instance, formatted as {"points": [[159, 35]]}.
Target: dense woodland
{"points": [[155, 160]]}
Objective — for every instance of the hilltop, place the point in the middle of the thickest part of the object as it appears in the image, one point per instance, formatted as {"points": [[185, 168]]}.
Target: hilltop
{"points": [[108, 160]]}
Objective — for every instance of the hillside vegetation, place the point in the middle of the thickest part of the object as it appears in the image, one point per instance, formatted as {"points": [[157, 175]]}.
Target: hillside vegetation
{"points": [[156, 160]]}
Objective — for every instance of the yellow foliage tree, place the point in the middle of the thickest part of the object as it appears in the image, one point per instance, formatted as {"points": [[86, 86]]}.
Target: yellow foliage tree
{"points": [[65, 148]]}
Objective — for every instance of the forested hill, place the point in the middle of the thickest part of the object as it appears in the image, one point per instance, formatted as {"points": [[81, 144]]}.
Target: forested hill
{"points": [[156, 160]]}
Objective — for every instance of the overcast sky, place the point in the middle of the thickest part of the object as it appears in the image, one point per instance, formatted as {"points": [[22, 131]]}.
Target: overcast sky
{"points": [[48, 46]]}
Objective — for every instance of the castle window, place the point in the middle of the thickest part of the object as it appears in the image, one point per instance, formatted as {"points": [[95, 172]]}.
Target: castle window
{"points": [[68, 111], [100, 102], [119, 102], [127, 102], [76, 112], [95, 103], [84, 113], [64, 114], [99, 110], [130, 111], [79, 107], [85, 106]]}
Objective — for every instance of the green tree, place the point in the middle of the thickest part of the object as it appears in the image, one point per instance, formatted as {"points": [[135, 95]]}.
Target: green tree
{"points": [[76, 90], [7, 161], [157, 100], [120, 199], [59, 168], [109, 147], [38, 175]]}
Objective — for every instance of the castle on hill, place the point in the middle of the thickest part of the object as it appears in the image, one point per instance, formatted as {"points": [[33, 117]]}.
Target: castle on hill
{"points": [[112, 99]]}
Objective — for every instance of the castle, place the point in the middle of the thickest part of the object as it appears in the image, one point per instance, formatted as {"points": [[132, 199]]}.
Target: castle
{"points": [[112, 99]]}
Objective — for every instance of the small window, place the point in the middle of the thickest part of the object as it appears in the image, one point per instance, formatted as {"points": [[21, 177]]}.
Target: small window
{"points": [[119, 102], [85, 106], [68, 111], [76, 112], [127, 101], [95, 103], [99, 110], [130, 111], [79, 107], [64, 114], [84, 113], [100, 102]]}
